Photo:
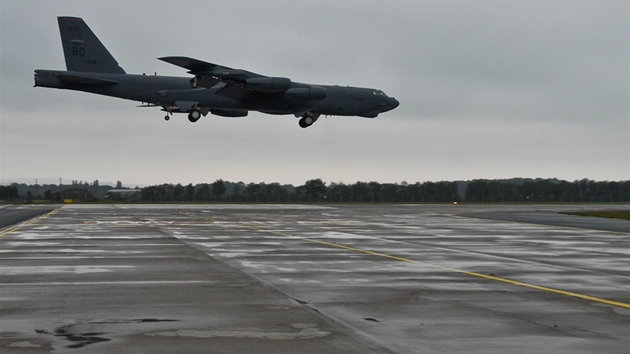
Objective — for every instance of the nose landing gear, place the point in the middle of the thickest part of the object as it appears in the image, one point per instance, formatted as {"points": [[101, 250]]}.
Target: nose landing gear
{"points": [[194, 82], [169, 113]]}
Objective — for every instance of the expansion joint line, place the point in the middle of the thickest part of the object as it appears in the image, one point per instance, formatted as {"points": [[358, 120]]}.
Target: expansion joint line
{"points": [[475, 274], [14, 228]]}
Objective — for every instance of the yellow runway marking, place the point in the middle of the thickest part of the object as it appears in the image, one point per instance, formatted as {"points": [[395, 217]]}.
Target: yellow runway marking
{"points": [[403, 259], [28, 222]]}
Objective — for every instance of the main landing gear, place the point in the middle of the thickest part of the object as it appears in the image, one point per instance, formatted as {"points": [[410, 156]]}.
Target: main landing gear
{"points": [[194, 116], [308, 120]]}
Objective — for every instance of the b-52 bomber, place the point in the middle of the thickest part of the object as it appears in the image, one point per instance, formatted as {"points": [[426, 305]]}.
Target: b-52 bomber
{"points": [[213, 88]]}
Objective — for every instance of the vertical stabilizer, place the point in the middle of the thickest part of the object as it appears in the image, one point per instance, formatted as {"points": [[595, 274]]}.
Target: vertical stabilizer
{"points": [[83, 50]]}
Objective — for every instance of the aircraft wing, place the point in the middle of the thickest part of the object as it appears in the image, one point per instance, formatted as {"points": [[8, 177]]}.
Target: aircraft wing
{"points": [[235, 81], [241, 84], [202, 70], [191, 64], [211, 74]]}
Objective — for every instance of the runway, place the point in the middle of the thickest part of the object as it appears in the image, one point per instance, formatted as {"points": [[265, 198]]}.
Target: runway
{"points": [[309, 279]]}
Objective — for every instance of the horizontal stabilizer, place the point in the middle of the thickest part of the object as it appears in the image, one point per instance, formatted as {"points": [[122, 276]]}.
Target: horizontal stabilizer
{"points": [[78, 79]]}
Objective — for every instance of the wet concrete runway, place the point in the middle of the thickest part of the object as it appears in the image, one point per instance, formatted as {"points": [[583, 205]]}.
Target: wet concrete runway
{"points": [[312, 279]]}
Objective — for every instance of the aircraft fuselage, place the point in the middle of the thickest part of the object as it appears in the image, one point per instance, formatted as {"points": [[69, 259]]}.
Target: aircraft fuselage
{"points": [[168, 90]]}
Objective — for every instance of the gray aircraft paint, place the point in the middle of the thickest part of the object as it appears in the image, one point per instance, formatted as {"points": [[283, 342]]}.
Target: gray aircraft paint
{"points": [[214, 89]]}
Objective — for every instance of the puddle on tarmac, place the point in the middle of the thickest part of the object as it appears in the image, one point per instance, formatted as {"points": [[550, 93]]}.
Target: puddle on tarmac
{"points": [[307, 331]]}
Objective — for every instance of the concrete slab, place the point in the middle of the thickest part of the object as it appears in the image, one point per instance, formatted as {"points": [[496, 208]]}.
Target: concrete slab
{"points": [[301, 278]]}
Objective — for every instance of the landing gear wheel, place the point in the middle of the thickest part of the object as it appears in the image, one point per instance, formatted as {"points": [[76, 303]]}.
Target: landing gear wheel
{"points": [[306, 122], [167, 117], [194, 83], [194, 116]]}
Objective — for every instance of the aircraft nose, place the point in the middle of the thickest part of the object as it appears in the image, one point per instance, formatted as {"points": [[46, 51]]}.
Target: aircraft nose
{"points": [[387, 104], [393, 103]]}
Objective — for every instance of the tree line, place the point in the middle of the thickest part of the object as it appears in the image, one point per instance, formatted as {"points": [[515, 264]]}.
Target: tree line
{"points": [[548, 191], [316, 190]]}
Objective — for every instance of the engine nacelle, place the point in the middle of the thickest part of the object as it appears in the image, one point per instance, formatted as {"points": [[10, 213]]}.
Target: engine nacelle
{"points": [[309, 93], [269, 84], [231, 113]]}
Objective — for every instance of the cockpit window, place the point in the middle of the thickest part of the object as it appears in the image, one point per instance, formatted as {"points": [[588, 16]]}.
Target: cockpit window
{"points": [[379, 93]]}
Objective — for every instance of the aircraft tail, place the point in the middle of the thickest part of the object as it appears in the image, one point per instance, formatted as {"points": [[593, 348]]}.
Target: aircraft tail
{"points": [[83, 50]]}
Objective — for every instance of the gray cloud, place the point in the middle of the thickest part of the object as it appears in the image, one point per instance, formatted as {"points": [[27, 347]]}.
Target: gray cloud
{"points": [[488, 89]]}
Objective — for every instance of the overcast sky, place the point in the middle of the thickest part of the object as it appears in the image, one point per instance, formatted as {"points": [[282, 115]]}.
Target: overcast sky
{"points": [[487, 89]]}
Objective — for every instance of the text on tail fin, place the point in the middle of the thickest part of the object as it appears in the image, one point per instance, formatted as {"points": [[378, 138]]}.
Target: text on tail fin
{"points": [[83, 50]]}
